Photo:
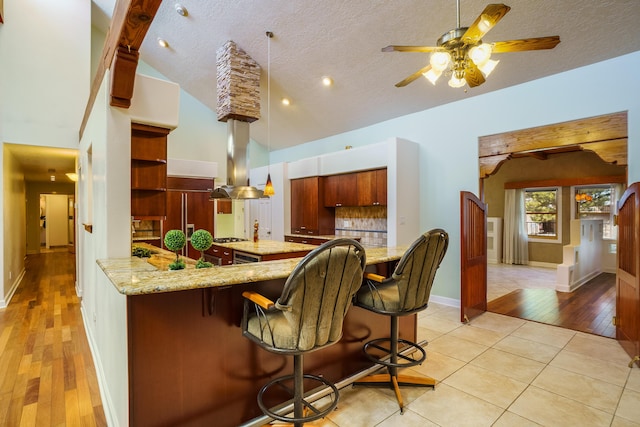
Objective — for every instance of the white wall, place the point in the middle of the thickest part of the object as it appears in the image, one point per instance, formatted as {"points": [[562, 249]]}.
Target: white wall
{"points": [[14, 227], [104, 192], [45, 63], [449, 148]]}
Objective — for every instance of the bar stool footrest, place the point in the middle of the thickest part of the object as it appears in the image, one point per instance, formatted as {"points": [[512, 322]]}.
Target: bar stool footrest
{"points": [[372, 345], [314, 412]]}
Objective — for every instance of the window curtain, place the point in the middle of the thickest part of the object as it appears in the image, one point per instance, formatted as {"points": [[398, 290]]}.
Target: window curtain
{"points": [[515, 241]]}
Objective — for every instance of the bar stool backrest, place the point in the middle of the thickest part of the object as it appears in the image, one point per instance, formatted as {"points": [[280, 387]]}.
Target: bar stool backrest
{"points": [[417, 268], [319, 291]]}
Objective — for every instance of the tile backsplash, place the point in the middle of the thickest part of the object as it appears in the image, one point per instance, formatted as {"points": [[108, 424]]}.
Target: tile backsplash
{"points": [[369, 223]]}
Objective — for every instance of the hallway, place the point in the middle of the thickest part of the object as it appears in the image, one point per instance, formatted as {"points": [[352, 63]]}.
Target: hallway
{"points": [[47, 376]]}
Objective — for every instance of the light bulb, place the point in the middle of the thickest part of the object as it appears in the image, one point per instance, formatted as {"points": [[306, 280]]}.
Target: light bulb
{"points": [[488, 67], [432, 75], [456, 82], [439, 60], [286, 101], [480, 54], [163, 43], [327, 81], [486, 23]]}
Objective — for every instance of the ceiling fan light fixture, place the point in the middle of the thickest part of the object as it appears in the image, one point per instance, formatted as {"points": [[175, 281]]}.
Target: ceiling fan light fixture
{"points": [[432, 75], [456, 82], [486, 23], [488, 67], [480, 54], [440, 60]]}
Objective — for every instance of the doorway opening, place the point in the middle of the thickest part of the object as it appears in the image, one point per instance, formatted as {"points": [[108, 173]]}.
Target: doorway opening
{"points": [[529, 291], [57, 222]]}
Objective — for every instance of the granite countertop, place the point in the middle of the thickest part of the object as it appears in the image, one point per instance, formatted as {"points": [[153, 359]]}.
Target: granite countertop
{"points": [[313, 236], [267, 247], [138, 276]]}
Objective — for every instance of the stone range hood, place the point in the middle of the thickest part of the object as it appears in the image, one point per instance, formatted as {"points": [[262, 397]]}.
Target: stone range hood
{"points": [[238, 88]]}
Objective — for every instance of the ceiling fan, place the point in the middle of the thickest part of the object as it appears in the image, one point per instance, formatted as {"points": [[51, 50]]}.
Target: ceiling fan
{"points": [[462, 54]]}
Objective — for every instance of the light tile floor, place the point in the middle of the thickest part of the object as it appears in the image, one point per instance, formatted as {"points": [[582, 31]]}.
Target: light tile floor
{"points": [[503, 371]]}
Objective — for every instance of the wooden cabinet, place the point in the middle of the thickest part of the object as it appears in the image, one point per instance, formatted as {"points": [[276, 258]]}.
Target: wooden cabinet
{"points": [[148, 171], [372, 187], [305, 240], [225, 254], [340, 190], [308, 214], [368, 188], [189, 209], [224, 206]]}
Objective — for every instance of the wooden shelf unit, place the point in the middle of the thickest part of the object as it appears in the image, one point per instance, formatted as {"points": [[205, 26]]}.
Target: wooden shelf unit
{"points": [[148, 171]]}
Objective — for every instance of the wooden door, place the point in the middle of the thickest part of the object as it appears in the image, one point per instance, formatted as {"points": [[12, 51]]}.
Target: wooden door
{"points": [[473, 256], [199, 213], [628, 273], [297, 204], [310, 205], [175, 213]]}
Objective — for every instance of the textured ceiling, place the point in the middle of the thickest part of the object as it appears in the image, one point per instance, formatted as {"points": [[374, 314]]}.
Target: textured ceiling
{"points": [[343, 39]]}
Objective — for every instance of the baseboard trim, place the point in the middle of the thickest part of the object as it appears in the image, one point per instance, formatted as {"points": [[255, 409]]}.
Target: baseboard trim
{"points": [[451, 302], [14, 286], [107, 404]]}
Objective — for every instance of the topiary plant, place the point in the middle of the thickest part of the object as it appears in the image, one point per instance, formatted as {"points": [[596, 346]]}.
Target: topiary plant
{"points": [[175, 240], [201, 240]]}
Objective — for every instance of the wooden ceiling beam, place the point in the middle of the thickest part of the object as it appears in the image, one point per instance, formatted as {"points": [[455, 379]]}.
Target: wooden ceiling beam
{"points": [[129, 25]]}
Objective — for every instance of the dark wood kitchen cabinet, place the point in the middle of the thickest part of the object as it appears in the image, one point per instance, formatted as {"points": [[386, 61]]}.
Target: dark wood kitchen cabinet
{"points": [[340, 190], [225, 254], [189, 209], [308, 213], [372, 187], [148, 171]]}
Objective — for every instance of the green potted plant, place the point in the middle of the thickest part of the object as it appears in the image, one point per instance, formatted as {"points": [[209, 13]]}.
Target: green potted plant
{"points": [[175, 240], [201, 240]]}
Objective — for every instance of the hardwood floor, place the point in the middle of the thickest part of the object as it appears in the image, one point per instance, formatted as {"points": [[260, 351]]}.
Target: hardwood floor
{"points": [[47, 376], [589, 308]]}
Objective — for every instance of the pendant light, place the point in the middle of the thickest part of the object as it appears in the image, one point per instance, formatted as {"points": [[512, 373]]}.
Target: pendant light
{"points": [[268, 188]]}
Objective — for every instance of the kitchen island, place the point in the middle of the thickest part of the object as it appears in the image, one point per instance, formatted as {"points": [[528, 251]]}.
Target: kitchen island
{"points": [[187, 359]]}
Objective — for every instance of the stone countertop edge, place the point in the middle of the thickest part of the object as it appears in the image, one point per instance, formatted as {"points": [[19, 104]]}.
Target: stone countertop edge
{"points": [[136, 276], [267, 247]]}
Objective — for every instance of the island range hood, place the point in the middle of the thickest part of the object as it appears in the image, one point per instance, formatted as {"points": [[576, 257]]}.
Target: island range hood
{"points": [[238, 89], [237, 186]]}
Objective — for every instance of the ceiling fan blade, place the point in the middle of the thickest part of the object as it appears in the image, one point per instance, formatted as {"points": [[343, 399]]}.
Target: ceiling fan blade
{"points": [[393, 48], [413, 76], [483, 23], [525, 44], [473, 76]]}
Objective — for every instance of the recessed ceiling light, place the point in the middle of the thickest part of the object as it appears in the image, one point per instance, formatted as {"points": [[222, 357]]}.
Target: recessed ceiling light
{"points": [[327, 81], [182, 11], [286, 101], [163, 42]]}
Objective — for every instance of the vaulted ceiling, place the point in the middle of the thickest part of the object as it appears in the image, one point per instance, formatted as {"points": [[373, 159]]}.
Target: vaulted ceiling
{"points": [[343, 40]]}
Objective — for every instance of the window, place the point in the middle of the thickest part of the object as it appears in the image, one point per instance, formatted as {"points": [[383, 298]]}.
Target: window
{"points": [[541, 207], [597, 202]]}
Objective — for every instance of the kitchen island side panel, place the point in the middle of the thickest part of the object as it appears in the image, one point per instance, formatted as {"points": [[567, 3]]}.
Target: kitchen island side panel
{"points": [[191, 366]]}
